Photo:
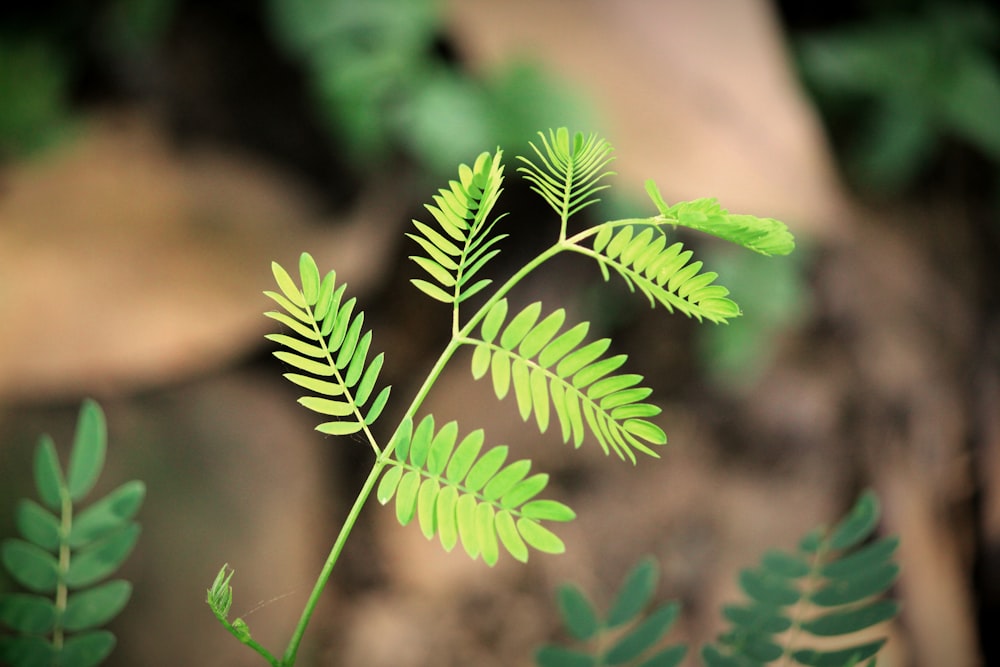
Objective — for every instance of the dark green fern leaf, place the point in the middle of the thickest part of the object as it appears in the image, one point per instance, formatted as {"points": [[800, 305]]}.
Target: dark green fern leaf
{"points": [[766, 236], [463, 242], [665, 274], [831, 587], [626, 636], [569, 171], [329, 349], [551, 371], [58, 621], [459, 493]]}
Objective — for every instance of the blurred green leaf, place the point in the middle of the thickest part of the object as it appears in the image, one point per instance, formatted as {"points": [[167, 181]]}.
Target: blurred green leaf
{"points": [[635, 593], [48, 474], [34, 83], [38, 525], [94, 562], [644, 635], [96, 606], [32, 567], [86, 649], [108, 513], [89, 446], [577, 612], [29, 614], [26, 651], [908, 81]]}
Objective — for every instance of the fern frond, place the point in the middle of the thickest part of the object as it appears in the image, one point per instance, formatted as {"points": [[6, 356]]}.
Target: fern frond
{"points": [[57, 621], [458, 492], [463, 242], [569, 171], [831, 587], [605, 641], [329, 348], [546, 369], [664, 273], [766, 236]]}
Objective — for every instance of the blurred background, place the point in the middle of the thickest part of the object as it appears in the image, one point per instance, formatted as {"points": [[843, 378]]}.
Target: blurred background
{"points": [[156, 155]]}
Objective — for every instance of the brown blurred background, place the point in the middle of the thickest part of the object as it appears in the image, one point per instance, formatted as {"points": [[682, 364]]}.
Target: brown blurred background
{"points": [[156, 155]]}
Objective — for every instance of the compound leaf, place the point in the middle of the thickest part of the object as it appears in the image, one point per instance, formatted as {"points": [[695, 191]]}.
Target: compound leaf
{"points": [[833, 579], [628, 636], [582, 390], [766, 236], [666, 275], [329, 347], [459, 492], [458, 249], [568, 171]]}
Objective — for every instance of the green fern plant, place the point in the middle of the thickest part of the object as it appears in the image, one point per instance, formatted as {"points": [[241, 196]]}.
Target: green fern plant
{"points": [[63, 553], [831, 587], [460, 489]]}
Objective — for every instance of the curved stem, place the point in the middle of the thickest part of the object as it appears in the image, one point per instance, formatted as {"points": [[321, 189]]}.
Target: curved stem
{"points": [[382, 456], [288, 659]]}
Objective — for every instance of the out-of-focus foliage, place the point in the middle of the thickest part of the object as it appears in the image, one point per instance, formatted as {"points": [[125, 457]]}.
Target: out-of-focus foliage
{"points": [[40, 65], [384, 83], [815, 606], [63, 553], [33, 89], [131, 27], [774, 297], [903, 83]]}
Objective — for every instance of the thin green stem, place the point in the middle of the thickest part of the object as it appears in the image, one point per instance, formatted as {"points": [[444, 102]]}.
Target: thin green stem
{"points": [[248, 641], [324, 576], [261, 650], [382, 455], [62, 591], [380, 462]]}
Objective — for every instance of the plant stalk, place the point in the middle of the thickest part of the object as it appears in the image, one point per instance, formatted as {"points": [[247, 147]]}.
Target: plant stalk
{"points": [[382, 458]]}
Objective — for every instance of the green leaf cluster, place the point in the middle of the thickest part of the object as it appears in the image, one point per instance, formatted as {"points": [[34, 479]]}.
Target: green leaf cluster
{"points": [[463, 243], [382, 85], [765, 236], [568, 171], [456, 489], [62, 556], [665, 274], [830, 588], [629, 634], [459, 492], [331, 351], [548, 368], [903, 84]]}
